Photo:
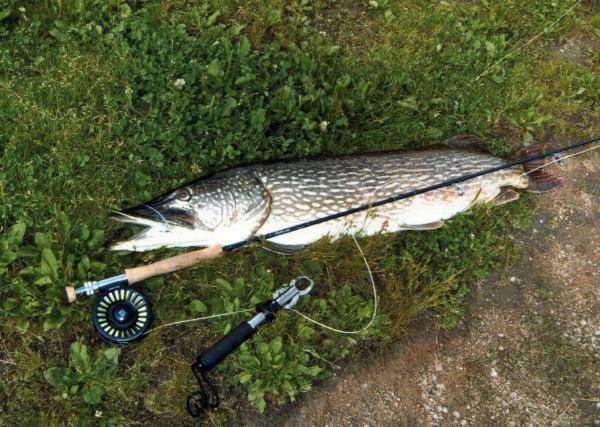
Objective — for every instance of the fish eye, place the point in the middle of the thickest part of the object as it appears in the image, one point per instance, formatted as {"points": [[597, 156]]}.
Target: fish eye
{"points": [[183, 194]]}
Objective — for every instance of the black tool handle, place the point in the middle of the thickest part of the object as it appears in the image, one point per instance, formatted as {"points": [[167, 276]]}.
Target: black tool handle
{"points": [[226, 345]]}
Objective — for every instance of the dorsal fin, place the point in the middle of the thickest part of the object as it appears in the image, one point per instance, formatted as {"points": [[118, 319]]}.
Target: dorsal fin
{"points": [[466, 141], [430, 226]]}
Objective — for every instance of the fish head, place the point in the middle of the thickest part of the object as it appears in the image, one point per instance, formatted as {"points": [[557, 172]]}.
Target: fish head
{"points": [[203, 213]]}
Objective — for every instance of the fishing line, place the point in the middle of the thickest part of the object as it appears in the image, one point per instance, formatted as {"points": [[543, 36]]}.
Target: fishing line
{"points": [[368, 325], [206, 396], [528, 42], [561, 159], [231, 313], [196, 319]]}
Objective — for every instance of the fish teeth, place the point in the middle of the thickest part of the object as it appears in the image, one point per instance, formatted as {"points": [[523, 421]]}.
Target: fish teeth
{"points": [[123, 217]]}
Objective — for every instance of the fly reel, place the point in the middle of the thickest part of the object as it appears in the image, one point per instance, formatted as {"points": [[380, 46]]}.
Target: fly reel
{"points": [[121, 315]]}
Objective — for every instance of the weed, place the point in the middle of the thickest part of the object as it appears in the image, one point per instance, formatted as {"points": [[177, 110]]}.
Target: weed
{"points": [[85, 375]]}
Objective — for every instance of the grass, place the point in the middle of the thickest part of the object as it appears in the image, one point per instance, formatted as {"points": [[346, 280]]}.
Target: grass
{"points": [[92, 120]]}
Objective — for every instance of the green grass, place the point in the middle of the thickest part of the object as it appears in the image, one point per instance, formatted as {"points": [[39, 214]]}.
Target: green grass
{"points": [[91, 120]]}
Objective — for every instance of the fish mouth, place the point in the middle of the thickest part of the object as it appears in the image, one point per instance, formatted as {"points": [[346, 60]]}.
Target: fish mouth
{"points": [[157, 213], [159, 234], [164, 227], [143, 240]]}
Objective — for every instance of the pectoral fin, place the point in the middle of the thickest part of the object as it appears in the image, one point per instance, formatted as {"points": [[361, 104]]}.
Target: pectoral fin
{"points": [[283, 249], [430, 226], [507, 195]]}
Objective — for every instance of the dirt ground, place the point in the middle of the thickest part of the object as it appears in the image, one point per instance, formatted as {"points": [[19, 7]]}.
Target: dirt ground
{"points": [[528, 352]]}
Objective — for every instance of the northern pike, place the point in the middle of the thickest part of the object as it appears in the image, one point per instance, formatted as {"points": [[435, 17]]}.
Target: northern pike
{"points": [[236, 204]]}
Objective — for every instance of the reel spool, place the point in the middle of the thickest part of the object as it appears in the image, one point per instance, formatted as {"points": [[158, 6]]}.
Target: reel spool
{"points": [[121, 315]]}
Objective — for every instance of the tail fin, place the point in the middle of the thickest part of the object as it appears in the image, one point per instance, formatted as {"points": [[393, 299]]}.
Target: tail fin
{"points": [[539, 181]]}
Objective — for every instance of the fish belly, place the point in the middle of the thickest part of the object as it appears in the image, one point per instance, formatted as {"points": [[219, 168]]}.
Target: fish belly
{"points": [[390, 218]]}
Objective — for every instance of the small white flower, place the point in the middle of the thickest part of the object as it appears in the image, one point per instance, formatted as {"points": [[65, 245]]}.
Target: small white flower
{"points": [[22, 9], [324, 125], [98, 414], [179, 83], [128, 91]]}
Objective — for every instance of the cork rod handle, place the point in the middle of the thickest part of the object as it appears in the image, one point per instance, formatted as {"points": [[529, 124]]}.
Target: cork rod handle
{"points": [[137, 274]]}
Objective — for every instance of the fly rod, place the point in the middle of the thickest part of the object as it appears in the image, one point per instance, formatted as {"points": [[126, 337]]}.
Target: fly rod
{"points": [[179, 262]]}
